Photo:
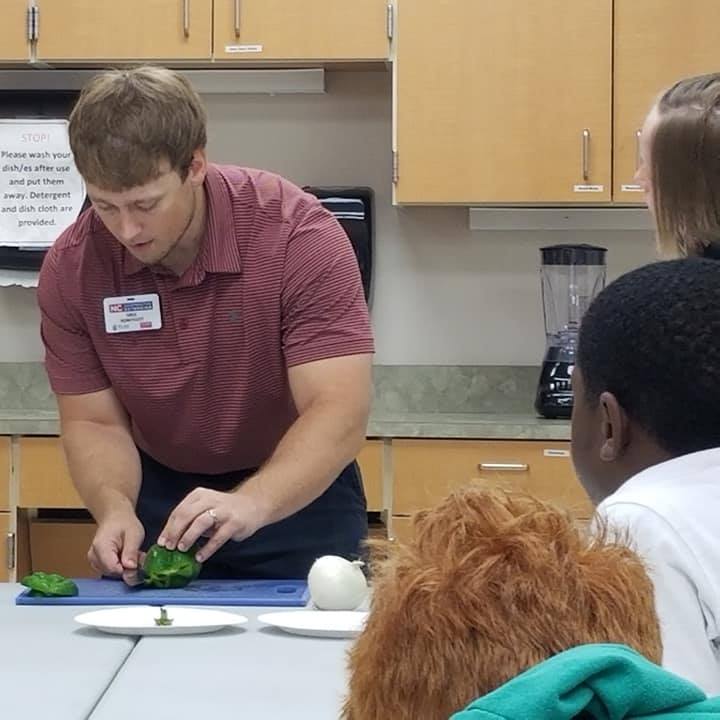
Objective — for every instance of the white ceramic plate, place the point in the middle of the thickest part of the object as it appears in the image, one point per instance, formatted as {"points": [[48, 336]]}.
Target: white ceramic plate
{"points": [[318, 623], [140, 620]]}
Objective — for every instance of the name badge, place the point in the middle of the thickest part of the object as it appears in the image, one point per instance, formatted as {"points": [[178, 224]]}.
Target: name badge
{"points": [[132, 314]]}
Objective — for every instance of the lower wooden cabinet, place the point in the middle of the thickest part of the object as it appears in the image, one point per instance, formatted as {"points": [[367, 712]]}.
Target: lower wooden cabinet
{"points": [[6, 547], [5, 473], [43, 475], [370, 460], [400, 528], [422, 473], [45, 481], [61, 546], [425, 471]]}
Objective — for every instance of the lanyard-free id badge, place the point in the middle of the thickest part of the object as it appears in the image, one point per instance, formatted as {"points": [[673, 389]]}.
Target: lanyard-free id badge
{"points": [[132, 313]]}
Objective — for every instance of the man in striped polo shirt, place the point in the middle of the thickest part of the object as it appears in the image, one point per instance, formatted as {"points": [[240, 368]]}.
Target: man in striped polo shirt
{"points": [[209, 344]]}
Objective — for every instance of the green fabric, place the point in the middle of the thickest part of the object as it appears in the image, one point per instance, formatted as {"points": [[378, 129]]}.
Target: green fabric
{"points": [[604, 682]]}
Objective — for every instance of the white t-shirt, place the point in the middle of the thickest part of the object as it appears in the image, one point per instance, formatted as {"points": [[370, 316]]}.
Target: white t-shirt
{"points": [[672, 514]]}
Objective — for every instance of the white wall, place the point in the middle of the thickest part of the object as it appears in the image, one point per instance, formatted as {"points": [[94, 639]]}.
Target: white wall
{"points": [[443, 294]]}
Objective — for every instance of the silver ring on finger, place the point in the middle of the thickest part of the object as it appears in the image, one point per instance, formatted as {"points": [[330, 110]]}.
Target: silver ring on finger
{"points": [[213, 516]]}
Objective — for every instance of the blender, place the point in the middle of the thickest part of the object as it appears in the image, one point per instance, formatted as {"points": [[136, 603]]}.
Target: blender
{"points": [[571, 276]]}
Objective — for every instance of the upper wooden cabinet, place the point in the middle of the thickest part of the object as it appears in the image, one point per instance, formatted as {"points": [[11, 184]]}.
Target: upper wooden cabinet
{"points": [[90, 30], [503, 101], [656, 43], [14, 43], [4, 473], [44, 478], [301, 30]]}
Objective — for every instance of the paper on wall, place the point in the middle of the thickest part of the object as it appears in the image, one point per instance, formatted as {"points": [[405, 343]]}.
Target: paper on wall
{"points": [[22, 278], [41, 191]]}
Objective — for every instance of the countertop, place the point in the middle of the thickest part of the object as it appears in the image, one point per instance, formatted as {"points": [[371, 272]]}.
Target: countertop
{"points": [[478, 426]]}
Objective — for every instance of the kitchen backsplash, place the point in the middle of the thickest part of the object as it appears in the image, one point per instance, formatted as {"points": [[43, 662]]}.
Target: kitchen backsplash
{"points": [[454, 388], [24, 386], [397, 388]]}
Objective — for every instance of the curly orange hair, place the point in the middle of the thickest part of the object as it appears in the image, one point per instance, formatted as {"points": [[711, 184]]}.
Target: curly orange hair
{"points": [[492, 583]]}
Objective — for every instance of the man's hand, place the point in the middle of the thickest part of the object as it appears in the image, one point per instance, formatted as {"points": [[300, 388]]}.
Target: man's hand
{"points": [[219, 516], [115, 549]]}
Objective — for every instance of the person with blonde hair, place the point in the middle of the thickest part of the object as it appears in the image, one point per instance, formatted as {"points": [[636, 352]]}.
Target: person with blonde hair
{"points": [[208, 341], [679, 167]]}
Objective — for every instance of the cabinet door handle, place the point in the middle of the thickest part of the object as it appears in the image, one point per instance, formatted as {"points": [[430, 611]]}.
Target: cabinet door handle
{"points": [[10, 549], [586, 155], [506, 467], [237, 18], [638, 133], [186, 18]]}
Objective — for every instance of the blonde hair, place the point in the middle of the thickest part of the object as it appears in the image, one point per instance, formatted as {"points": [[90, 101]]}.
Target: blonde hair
{"points": [[685, 168], [126, 123], [491, 583]]}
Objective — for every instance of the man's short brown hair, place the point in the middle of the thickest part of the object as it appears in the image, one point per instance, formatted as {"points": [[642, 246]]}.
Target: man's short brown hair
{"points": [[127, 123]]}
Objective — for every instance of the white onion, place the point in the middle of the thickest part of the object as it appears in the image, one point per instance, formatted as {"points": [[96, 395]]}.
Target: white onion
{"points": [[336, 583]]}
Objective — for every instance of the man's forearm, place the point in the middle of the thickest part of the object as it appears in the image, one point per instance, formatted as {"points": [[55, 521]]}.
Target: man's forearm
{"points": [[104, 465], [321, 442]]}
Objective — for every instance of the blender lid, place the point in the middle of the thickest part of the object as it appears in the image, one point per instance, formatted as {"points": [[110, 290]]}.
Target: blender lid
{"points": [[573, 255]]}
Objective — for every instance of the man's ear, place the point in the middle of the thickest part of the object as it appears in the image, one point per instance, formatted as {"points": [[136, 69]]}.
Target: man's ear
{"points": [[614, 428], [198, 167]]}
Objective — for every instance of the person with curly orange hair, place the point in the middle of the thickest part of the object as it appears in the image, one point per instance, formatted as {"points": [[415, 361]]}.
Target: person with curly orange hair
{"points": [[491, 585]]}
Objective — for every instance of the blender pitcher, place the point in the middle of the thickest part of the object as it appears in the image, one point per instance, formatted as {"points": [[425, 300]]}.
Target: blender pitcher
{"points": [[571, 276]]}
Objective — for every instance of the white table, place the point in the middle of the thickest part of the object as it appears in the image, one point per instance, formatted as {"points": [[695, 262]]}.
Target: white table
{"points": [[254, 672], [50, 664]]}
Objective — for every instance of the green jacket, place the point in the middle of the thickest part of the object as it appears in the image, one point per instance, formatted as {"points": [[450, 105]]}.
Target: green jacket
{"points": [[599, 682]]}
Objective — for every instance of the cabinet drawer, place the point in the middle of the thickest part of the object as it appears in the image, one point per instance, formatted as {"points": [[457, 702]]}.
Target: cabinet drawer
{"points": [[61, 547], [44, 478], [371, 466], [4, 473], [426, 471]]}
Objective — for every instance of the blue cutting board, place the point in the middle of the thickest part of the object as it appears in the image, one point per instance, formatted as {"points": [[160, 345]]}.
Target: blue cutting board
{"points": [[269, 593]]}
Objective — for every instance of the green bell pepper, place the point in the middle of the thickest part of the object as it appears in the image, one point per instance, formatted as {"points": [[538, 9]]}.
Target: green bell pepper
{"points": [[49, 585], [165, 568]]}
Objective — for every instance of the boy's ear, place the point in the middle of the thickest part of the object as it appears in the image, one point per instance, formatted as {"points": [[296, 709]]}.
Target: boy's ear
{"points": [[614, 428]]}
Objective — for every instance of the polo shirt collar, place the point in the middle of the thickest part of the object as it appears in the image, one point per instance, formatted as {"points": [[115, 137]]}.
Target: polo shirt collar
{"points": [[219, 251]]}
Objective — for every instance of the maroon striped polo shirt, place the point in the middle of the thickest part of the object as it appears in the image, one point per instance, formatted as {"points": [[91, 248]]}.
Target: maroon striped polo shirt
{"points": [[275, 284]]}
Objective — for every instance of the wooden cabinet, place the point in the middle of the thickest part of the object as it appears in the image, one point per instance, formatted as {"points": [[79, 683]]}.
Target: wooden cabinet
{"points": [[5, 472], [370, 460], [301, 30], [88, 30], [14, 43], [62, 547], [400, 528], [656, 43], [425, 471], [6, 547], [43, 475], [503, 101]]}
